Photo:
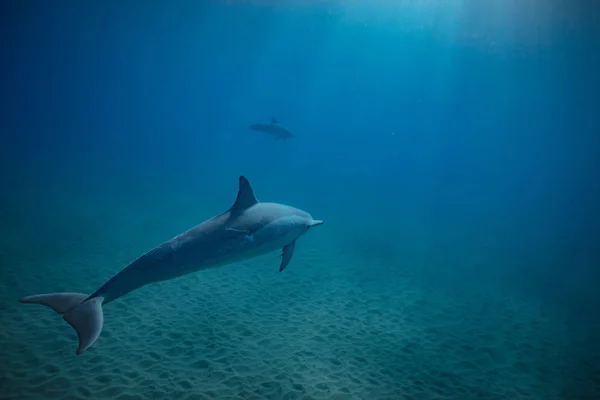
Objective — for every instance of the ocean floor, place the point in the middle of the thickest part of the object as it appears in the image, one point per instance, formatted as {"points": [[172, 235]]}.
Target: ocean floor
{"points": [[339, 323]]}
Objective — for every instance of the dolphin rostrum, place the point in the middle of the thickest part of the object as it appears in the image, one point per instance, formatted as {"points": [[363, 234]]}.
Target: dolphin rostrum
{"points": [[248, 229], [273, 128]]}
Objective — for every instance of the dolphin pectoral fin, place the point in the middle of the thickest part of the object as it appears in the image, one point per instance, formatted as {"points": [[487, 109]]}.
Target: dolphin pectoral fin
{"points": [[238, 230], [248, 235], [288, 252]]}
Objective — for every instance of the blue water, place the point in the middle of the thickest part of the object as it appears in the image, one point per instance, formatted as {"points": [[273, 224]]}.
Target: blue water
{"points": [[452, 149]]}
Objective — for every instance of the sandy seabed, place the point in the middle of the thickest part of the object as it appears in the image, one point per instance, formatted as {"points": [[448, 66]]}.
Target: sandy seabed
{"points": [[333, 325]]}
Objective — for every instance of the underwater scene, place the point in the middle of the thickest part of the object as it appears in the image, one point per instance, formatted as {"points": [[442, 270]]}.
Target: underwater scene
{"points": [[342, 199]]}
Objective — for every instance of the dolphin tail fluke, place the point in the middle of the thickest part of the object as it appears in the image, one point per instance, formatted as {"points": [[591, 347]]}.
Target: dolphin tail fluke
{"points": [[84, 314]]}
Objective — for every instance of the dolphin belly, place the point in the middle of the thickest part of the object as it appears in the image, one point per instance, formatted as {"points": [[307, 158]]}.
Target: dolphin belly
{"points": [[167, 262]]}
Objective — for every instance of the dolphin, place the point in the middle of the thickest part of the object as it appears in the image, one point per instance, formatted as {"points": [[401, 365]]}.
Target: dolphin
{"points": [[248, 229], [273, 128]]}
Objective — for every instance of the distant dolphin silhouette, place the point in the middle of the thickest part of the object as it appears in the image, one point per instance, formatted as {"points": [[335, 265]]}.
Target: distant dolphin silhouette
{"points": [[248, 229], [273, 128]]}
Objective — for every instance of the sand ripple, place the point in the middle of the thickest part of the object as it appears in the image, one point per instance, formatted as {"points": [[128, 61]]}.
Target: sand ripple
{"points": [[324, 329]]}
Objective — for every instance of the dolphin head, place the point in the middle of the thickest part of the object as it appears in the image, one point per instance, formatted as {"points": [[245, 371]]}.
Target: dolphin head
{"points": [[267, 225], [315, 222], [286, 224], [296, 225], [305, 222]]}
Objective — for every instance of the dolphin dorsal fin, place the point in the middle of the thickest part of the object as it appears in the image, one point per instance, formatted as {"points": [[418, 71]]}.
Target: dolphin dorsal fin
{"points": [[245, 198], [274, 121]]}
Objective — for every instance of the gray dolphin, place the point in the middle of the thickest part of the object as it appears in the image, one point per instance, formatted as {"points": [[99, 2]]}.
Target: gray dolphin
{"points": [[248, 229], [273, 128]]}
